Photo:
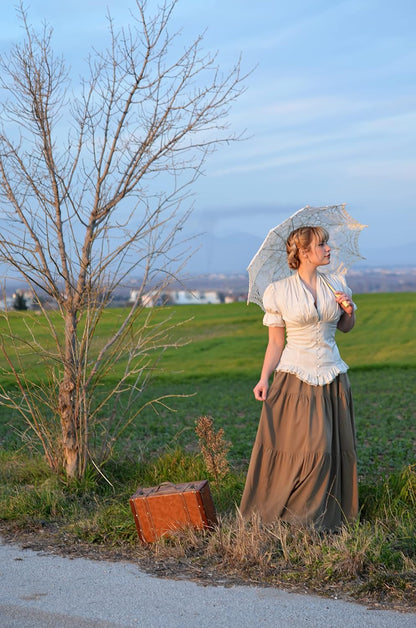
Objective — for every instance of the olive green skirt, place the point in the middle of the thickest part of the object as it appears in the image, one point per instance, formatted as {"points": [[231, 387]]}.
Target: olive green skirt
{"points": [[303, 467]]}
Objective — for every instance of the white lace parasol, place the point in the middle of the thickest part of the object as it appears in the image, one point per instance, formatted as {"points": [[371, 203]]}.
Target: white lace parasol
{"points": [[270, 262]]}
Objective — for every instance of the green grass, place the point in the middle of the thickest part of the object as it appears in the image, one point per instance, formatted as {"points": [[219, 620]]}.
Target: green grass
{"points": [[229, 340], [214, 375]]}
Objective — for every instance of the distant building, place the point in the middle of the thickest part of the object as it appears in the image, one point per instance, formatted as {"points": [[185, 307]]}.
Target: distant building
{"points": [[178, 297], [195, 297], [151, 299]]}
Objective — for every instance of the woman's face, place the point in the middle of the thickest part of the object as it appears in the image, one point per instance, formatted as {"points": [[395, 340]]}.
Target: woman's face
{"points": [[318, 253]]}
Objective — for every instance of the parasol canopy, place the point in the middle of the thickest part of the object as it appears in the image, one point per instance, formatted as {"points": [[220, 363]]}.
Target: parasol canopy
{"points": [[270, 262]]}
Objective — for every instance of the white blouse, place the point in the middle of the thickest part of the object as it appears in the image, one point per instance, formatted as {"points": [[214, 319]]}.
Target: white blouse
{"points": [[310, 352]]}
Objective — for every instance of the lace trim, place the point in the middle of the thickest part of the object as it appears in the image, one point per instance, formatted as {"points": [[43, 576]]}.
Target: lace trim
{"points": [[314, 380]]}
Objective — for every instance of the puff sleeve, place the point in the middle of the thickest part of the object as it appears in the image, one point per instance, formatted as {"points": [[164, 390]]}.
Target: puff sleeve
{"points": [[272, 316]]}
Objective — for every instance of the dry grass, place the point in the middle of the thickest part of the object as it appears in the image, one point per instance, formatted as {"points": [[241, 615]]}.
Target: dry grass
{"points": [[352, 563]]}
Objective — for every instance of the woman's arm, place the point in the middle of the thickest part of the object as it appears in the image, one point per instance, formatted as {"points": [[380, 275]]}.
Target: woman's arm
{"points": [[271, 360]]}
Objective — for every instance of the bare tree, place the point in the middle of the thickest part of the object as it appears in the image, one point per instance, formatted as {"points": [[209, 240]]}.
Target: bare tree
{"points": [[92, 189]]}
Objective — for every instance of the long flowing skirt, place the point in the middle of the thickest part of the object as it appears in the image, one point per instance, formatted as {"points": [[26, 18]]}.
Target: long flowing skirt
{"points": [[303, 465]]}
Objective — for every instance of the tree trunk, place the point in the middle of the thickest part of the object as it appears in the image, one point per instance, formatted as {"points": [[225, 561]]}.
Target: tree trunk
{"points": [[67, 406]]}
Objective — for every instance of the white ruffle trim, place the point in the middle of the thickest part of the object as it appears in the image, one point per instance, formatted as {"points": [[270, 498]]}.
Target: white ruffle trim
{"points": [[319, 380]]}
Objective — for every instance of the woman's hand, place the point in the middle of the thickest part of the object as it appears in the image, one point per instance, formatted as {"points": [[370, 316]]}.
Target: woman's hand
{"points": [[260, 390], [345, 323], [345, 302]]}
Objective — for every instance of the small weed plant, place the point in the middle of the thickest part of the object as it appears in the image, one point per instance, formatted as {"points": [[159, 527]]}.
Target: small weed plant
{"points": [[214, 448]]}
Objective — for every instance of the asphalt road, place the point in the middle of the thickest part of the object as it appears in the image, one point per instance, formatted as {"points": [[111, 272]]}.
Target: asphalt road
{"points": [[43, 590]]}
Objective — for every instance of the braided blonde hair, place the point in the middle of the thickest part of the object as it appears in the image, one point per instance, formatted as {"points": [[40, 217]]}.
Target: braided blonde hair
{"points": [[301, 238]]}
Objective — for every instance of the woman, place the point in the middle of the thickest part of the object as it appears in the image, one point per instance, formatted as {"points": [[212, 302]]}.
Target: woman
{"points": [[303, 464]]}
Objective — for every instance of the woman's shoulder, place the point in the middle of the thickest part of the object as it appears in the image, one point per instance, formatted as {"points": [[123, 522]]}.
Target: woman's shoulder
{"points": [[278, 291], [282, 284]]}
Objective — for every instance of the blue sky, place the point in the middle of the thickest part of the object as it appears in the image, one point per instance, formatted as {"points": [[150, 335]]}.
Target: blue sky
{"points": [[330, 109]]}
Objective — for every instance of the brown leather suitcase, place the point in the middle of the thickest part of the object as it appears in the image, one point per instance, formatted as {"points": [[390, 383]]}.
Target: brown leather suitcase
{"points": [[162, 509]]}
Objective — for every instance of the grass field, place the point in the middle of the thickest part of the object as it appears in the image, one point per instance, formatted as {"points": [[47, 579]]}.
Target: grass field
{"points": [[229, 340], [213, 374]]}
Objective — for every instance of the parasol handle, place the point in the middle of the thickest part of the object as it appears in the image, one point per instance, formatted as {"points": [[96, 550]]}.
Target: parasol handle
{"points": [[347, 307]]}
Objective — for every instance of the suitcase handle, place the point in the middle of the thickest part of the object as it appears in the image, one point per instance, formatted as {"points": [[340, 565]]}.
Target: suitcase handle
{"points": [[155, 489], [163, 484]]}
